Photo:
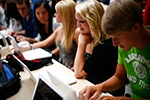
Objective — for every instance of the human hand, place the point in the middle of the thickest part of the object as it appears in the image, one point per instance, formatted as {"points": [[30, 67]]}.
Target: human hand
{"points": [[84, 39], [12, 33], [21, 38], [72, 68], [90, 93], [25, 48], [114, 98]]}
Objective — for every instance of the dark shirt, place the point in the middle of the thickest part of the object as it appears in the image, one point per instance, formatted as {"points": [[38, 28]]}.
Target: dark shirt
{"points": [[30, 27], [101, 65]]}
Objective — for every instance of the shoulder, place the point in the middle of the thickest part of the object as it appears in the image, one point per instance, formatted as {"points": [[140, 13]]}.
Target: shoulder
{"points": [[58, 29], [106, 46], [76, 35]]}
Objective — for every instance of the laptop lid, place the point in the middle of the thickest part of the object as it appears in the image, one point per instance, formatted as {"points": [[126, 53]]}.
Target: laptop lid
{"points": [[34, 77], [30, 54], [45, 90], [16, 47], [63, 76], [26, 69], [71, 94]]}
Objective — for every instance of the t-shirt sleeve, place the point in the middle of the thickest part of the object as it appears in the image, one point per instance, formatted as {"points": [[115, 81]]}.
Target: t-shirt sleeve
{"points": [[120, 55]]}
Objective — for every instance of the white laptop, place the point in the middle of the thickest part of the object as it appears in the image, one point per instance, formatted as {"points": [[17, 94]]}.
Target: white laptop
{"points": [[67, 89], [61, 90], [61, 75], [31, 54], [34, 77], [45, 90]]}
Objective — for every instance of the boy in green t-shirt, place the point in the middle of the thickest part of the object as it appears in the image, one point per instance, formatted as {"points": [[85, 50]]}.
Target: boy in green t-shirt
{"points": [[123, 22]]}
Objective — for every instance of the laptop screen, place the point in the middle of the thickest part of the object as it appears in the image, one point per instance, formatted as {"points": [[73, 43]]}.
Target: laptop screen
{"points": [[44, 92], [16, 47]]}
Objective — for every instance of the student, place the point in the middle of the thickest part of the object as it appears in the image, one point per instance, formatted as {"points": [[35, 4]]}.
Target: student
{"points": [[30, 31], [14, 19], [66, 35], [123, 22], [43, 20], [95, 53]]}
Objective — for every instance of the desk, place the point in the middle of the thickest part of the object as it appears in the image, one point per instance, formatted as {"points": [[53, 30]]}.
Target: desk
{"points": [[26, 90]]}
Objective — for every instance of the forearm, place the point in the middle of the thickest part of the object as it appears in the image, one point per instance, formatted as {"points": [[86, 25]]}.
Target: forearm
{"points": [[31, 40], [55, 51], [47, 42], [111, 84], [43, 44], [79, 61], [20, 32]]}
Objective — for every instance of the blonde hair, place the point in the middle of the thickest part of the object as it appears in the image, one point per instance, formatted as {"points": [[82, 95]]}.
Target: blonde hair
{"points": [[66, 8], [92, 11], [121, 15]]}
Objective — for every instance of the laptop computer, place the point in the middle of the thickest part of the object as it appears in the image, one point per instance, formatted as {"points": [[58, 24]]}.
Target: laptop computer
{"points": [[59, 89], [34, 77], [71, 94], [67, 89], [31, 54], [5, 46], [45, 90]]}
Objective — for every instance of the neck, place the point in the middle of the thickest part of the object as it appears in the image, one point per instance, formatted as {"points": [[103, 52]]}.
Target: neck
{"points": [[46, 28], [144, 38], [27, 17]]}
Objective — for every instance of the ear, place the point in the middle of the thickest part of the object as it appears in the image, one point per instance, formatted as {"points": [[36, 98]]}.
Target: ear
{"points": [[136, 28]]}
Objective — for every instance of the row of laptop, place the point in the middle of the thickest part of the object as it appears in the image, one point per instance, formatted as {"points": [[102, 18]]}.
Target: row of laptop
{"points": [[53, 84]]}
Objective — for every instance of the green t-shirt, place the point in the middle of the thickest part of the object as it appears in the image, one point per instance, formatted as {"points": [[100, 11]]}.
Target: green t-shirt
{"points": [[137, 65]]}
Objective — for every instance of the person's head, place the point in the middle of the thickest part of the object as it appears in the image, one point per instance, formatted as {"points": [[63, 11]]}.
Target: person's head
{"points": [[11, 10], [42, 11], [89, 16], [43, 14], [65, 13], [121, 21], [2, 3], [23, 7]]}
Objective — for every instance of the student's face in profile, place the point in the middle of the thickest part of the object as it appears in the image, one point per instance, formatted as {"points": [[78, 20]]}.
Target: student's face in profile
{"points": [[82, 24], [58, 17], [124, 40], [23, 9], [42, 14]]}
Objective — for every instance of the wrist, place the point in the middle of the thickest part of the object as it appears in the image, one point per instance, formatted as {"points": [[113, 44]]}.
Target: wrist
{"points": [[31, 47]]}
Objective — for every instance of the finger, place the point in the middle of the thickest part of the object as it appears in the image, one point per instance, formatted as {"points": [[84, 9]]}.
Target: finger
{"points": [[81, 93], [88, 94], [94, 96]]}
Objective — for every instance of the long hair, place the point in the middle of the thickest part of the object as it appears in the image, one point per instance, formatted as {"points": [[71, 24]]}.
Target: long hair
{"points": [[39, 25], [66, 8], [92, 11], [12, 11]]}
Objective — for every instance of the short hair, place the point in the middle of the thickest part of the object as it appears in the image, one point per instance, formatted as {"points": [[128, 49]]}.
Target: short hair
{"points": [[27, 2], [121, 15], [92, 11]]}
